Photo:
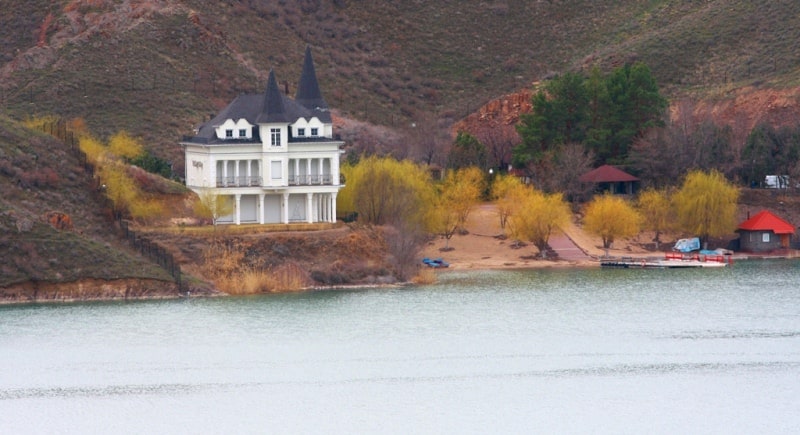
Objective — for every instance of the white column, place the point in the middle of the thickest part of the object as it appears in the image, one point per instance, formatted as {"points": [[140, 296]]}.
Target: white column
{"points": [[224, 172], [308, 171], [236, 173], [323, 207], [297, 171], [237, 207], [309, 207], [261, 208], [335, 172], [333, 207], [285, 208]]}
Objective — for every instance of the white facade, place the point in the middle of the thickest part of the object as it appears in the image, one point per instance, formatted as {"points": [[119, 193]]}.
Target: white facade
{"points": [[273, 158]]}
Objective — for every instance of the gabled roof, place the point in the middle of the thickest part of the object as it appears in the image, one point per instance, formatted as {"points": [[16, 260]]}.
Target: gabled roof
{"points": [[766, 221], [606, 174]]}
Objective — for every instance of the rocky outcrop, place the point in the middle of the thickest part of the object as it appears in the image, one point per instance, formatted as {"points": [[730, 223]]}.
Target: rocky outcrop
{"points": [[501, 111], [88, 290]]}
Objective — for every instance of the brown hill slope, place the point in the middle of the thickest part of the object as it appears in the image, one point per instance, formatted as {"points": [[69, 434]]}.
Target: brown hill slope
{"points": [[157, 67], [52, 228]]}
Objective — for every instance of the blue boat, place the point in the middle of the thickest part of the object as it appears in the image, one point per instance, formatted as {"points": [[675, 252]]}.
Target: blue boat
{"points": [[435, 263]]}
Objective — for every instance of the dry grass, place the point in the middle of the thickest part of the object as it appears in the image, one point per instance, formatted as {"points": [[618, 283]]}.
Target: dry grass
{"points": [[426, 276], [224, 264]]}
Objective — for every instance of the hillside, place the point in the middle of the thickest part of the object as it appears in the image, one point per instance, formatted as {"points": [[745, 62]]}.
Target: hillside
{"points": [[54, 230], [159, 67]]}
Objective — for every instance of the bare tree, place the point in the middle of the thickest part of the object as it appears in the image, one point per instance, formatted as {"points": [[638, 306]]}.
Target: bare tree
{"points": [[572, 161], [499, 140], [428, 139]]}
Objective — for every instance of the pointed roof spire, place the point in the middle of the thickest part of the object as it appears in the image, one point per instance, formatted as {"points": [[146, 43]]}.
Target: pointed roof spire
{"points": [[273, 109], [308, 93]]}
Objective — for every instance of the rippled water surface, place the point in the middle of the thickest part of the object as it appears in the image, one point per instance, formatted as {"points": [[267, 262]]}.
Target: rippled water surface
{"points": [[550, 351]]}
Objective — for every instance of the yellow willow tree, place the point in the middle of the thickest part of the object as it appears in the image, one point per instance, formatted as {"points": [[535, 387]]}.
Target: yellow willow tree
{"points": [[126, 196], [125, 146], [506, 192], [705, 205], [655, 208], [536, 215], [611, 218], [397, 194], [212, 206], [460, 191], [382, 190], [95, 151], [118, 187]]}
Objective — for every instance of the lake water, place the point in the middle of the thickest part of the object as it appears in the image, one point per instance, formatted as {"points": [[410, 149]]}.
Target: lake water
{"points": [[541, 351]]}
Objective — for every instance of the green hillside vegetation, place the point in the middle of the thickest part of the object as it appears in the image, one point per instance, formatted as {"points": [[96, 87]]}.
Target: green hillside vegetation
{"points": [[157, 69]]}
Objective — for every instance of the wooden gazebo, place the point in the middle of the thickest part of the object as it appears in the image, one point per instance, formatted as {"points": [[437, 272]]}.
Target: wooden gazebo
{"points": [[609, 178]]}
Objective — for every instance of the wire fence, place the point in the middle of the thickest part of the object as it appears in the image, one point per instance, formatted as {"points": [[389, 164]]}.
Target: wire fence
{"points": [[144, 246]]}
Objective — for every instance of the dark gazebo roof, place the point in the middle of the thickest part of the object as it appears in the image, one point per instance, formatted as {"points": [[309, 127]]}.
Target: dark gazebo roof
{"points": [[607, 174]]}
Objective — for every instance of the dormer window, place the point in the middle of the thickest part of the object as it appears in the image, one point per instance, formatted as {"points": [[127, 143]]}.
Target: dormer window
{"points": [[314, 132], [228, 134], [242, 132], [301, 132]]}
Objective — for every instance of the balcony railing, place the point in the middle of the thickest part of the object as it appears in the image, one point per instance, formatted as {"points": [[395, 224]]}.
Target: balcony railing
{"points": [[313, 179], [238, 181]]}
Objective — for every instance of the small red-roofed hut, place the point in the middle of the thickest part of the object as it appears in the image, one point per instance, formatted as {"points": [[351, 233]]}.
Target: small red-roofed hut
{"points": [[609, 178], [765, 232]]}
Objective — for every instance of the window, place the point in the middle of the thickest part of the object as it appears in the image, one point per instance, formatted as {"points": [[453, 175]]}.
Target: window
{"points": [[275, 169], [275, 137], [228, 133], [242, 133], [765, 237], [301, 131], [314, 131]]}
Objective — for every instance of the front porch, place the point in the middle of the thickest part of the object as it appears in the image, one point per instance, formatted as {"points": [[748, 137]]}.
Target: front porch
{"points": [[282, 208]]}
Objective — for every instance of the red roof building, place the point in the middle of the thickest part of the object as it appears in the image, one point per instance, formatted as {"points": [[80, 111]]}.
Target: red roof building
{"points": [[610, 178], [765, 232]]}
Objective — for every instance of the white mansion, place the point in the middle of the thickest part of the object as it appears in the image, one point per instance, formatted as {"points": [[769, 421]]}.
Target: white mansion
{"points": [[273, 157]]}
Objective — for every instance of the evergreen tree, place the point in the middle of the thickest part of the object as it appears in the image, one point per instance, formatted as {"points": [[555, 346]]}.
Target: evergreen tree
{"points": [[558, 116], [467, 151], [605, 114], [632, 105]]}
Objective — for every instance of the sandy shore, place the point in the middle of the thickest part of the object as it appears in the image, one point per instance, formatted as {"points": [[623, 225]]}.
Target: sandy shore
{"points": [[482, 248]]}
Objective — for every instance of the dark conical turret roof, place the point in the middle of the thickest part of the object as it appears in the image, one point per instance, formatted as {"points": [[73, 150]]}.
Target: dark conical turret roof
{"points": [[308, 93], [273, 109]]}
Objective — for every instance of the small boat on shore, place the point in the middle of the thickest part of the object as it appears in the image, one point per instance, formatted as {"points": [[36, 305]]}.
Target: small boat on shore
{"points": [[435, 263], [672, 260]]}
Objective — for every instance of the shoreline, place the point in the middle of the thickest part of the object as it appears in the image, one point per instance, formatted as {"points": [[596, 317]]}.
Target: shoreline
{"points": [[125, 289]]}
